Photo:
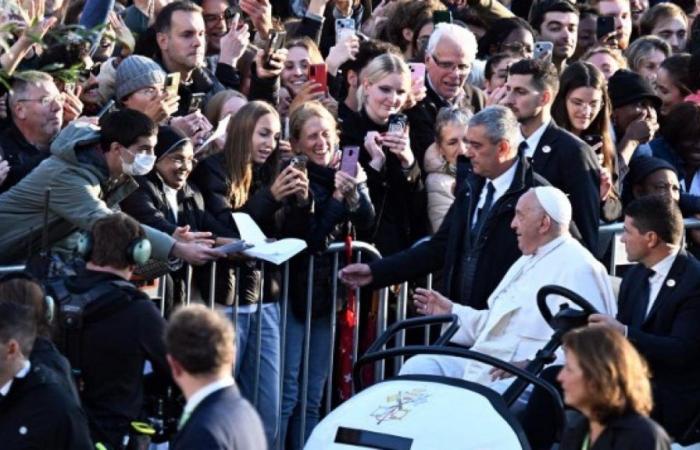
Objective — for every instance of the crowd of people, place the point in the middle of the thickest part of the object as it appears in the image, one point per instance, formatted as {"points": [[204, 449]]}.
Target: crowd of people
{"points": [[506, 132]]}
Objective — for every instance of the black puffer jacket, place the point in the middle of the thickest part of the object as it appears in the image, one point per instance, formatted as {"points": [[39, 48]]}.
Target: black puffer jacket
{"points": [[398, 195], [324, 226], [275, 219]]}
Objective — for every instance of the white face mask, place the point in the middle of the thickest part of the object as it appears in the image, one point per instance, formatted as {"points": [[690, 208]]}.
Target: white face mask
{"points": [[142, 164]]}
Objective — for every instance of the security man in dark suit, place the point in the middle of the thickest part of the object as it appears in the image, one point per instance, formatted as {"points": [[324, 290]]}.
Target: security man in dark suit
{"points": [[475, 241], [560, 157], [36, 411], [200, 345], [659, 309]]}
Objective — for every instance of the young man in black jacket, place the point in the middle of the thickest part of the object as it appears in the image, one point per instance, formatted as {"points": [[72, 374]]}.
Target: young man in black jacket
{"points": [[121, 329]]}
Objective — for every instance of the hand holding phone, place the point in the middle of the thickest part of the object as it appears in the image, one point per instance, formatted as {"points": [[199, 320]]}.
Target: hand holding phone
{"points": [[348, 162], [605, 25], [275, 43], [172, 83], [543, 50], [319, 74]]}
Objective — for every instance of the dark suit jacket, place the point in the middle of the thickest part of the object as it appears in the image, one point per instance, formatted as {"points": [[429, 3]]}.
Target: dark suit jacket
{"points": [[497, 242], [222, 421], [628, 432], [569, 164], [669, 339]]}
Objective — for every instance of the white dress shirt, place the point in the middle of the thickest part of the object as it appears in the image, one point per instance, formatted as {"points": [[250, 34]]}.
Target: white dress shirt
{"points": [[534, 140], [500, 185], [656, 281], [5, 389], [203, 393]]}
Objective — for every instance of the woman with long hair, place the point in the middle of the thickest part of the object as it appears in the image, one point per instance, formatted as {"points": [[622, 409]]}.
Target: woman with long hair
{"points": [[582, 107], [338, 197], [607, 381], [244, 177], [392, 170]]}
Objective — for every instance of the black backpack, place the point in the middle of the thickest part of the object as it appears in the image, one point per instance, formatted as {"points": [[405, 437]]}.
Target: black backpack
{"points": [[104, 299]]}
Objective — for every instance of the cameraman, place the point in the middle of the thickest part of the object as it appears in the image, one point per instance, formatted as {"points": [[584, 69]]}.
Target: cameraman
{"points": [[121, 329]]}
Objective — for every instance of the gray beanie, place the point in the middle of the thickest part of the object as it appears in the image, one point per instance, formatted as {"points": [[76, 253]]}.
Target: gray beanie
{"points": [[137, 72]]}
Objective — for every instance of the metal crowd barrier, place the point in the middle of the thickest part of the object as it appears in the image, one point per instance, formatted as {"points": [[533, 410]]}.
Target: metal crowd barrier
{"points": [[362, 252]]}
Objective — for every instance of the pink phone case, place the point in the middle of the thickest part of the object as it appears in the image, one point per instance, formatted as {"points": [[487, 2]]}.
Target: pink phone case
{"points": [[417, 72], [348, 162]]}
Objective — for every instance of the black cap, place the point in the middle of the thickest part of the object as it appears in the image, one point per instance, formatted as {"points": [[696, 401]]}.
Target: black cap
{"points": [[643, 166], [626, 87], [169, 139]]}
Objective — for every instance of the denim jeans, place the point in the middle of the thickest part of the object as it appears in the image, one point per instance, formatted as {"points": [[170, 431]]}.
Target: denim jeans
{"points": [[269, 376], [319, 348]]}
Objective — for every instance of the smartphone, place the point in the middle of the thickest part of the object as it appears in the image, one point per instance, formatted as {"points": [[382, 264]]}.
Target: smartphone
{"points": [[417, 72], [274, 43], [69, 86], [343, 27], [604, 26], [595, 141], [348, 162], [543, 50], [319, 74], [297, 161], [196, 101], [172, 83], [398, 123], [442, 16]]}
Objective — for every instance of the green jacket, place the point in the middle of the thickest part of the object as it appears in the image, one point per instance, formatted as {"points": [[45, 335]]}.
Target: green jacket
{"points": [[81, 193]]}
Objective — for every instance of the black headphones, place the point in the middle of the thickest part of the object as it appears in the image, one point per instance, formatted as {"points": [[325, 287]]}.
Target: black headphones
{"points": [[138, 252], [49, 303]]}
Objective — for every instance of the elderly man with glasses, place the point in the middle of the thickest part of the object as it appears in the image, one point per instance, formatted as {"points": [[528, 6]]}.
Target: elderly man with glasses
{"points": [[36, 107], [448, 60]]}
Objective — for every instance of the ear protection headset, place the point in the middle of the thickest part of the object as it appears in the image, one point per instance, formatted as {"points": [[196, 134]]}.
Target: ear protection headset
{"points": [[49, 303], [138, 252]]}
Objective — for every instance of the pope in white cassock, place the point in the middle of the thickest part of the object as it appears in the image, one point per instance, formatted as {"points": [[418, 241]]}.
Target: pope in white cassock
{"points": [[512, 328]]}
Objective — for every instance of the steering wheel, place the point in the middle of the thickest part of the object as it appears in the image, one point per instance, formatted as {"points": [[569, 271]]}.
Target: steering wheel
{"points": [[552, 289]]}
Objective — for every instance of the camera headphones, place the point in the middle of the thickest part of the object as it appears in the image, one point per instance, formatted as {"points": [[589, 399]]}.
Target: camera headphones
{"points": [[49, 303], [138, 252]]}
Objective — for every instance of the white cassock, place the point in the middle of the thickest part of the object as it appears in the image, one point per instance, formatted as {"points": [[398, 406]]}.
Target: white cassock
{"points": [[512, 328]]}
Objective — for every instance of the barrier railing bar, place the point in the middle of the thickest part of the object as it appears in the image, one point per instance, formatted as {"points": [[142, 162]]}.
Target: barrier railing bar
{"points": [[333, 325], [212, 285], [258, 335], [305, 352], [356, 330], [284, 305], [188, 284]]}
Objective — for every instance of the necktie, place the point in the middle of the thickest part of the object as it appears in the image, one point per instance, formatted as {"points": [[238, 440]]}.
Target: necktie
{"points": [[522, 148], [640, 312], [483, 212]]}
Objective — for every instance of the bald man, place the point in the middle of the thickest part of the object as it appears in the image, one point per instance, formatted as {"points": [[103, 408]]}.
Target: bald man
{"points": [[512, 329]]}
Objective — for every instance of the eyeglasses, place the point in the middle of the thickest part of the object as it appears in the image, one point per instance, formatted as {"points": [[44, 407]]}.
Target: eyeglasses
{"points": [[45, 101], [94, 70], [182, 161], [448, 65]]}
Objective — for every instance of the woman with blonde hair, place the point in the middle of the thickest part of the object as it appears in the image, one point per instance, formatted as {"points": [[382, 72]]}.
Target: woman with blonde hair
{"points": [[385, 154], [607, 381], [339, 197], [244, 177]]}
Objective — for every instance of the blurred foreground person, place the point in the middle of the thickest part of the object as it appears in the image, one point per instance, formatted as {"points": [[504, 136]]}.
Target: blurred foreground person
{"points": [[608, 382], [201, 351]]}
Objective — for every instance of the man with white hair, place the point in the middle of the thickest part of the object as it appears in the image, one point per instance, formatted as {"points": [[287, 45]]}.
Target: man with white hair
{"points": [[448, 61], [512, 329]]}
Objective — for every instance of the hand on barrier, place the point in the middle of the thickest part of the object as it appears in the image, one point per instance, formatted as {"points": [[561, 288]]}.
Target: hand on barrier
{"points": [[355, 275]]}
